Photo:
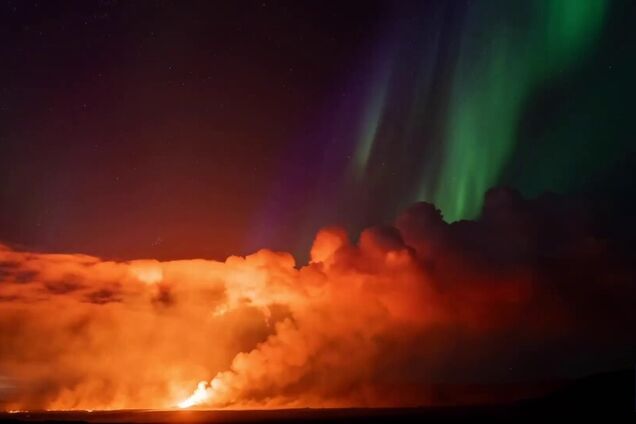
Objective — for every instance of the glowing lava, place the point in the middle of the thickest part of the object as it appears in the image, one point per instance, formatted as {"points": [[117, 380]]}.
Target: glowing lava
{"points": [[199, 396]]}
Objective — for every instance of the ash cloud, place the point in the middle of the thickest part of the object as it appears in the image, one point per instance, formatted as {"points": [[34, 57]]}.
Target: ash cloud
{"points": [[412, 313]]}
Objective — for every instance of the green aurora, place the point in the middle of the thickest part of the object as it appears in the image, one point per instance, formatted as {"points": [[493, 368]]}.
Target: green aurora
{"points": [[490, 90], [505, 52]]}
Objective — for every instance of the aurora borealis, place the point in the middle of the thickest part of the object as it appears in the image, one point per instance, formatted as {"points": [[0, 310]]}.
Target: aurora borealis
{"points": [[523, 48], [439, 111], [503, 53]]}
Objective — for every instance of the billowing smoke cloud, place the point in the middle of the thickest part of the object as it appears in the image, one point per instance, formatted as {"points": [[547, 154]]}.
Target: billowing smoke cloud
{"points": [[414, 313]]}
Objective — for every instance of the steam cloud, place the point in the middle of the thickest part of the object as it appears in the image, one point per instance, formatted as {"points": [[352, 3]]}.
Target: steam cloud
{"points": [[408, 315]]}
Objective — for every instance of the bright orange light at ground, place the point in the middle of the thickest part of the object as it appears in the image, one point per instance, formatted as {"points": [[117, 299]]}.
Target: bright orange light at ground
{"points": [[199, 396]]}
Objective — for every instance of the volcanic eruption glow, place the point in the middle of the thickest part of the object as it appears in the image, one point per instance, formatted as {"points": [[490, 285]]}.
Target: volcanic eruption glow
{"points": [[393, 319], [199, 396]]}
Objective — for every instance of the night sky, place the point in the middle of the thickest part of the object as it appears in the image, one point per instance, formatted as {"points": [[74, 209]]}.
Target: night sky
{"points": [[177, 129]]}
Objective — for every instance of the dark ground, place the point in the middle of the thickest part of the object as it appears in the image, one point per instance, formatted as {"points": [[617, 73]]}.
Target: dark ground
{"points": [[609, 397]]}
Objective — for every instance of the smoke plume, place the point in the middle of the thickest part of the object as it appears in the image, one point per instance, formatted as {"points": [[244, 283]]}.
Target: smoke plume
{"points": [[413, 313]]}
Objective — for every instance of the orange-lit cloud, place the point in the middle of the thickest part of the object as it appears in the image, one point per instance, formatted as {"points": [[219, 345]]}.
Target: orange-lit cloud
{"points": [[393, 319]]}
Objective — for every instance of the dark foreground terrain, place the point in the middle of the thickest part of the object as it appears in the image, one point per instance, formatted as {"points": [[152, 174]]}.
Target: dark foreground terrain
{"points": [[610, 397]]}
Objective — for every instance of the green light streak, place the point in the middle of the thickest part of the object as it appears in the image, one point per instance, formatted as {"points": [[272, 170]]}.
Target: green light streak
{"points": [[497, 70], [370, 124]]}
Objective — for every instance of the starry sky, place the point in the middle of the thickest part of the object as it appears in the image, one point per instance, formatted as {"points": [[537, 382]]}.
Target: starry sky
{"points": [[177, 129]]}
